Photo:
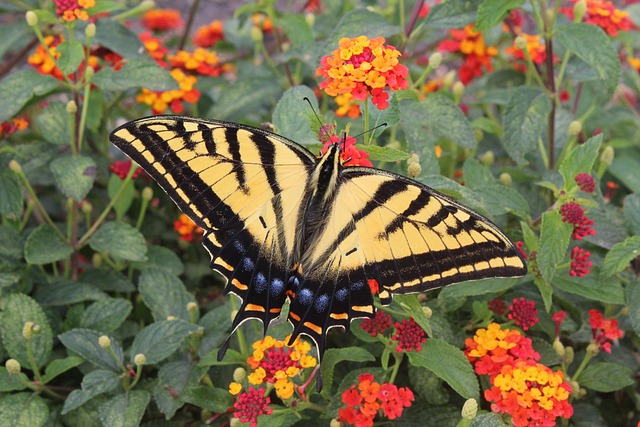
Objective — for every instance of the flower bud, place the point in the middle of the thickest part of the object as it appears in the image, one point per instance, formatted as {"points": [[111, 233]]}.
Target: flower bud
{"points": [[104, 341], [414, 170], [607, 156], [413, 158], [147, 5], [487, 158], [89, 72], [478, 134], [575, 387], [32, 18], [568, 355], [505, 179], [90, 31], [311, 19], [172, 318], [27, 330], [435, 59], [72, 107], [256, 34], [593, 348], [458, 89], [13, 366], [449, 78], [520, 42], [558, 347], [239, 375], [575, 127], [427, 312], [192, 307], [86, 207], [469, 409], [579, 9], [139, 359], [235, 422], [15, 166], [96, 260], [335, 423], [147, 193]]}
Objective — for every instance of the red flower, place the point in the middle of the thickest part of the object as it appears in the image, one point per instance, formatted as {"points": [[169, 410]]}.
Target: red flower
{"points": [[208, 35], [558, 317], [122, 168], [603, 14], [350, 155], [604, 330], [520, 246], [251, 405], [585, 182], [572, 213], [187, 230], [524, 313], [580, 264], [583, 229], [161, 19], [471, 45], [409, 335], [498, 306], [377, 325]]}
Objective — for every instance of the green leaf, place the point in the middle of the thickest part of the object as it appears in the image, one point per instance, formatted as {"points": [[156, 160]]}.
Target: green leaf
{"points": [[546, 291], [84, 342], [476, 175], [71, 56], [335, 355], [11, 197], [20, 87], [499, 200], [164, 294], [525, 117], [488, 420], [390, 116], [181, 376], [52, 123], [384, 154], [440, 109], [107, 279], [620, 255], [44, 246], [122, 205], [492, 12], [592, 45], [625, 168], [216, 400], [419, 138], [23, 410], [412, 307], [106, 315], [115, 36], [360, 22], [66, 292], [631, 209], [478, 287], [161, 339], [14, 251], [530, 238], [17, 309], [120, 240], [632, 292], [10, 382], [135, 73], [452, 14], [606, 377], [450, 364], [125, 410], [290, 115], [93, 384], [74, 175], [296, 28], [216, 324], [579, 160], [555, 235], [60, 366], [14, 35], [161, 258]]}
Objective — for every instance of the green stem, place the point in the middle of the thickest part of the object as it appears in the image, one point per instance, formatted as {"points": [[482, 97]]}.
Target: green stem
{"points": [[398, 357], [543, 153], [85, 108], [37, 203], [583, 364], [72, 133], [32, 361]]}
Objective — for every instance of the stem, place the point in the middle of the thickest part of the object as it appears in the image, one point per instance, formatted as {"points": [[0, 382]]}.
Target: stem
{"points": [[583, 364], [187, 29], [85, 109], [398, 357], [37, 203], [32, 361]]}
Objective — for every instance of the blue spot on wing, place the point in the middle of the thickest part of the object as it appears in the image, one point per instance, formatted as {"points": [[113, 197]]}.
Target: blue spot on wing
{"points": [[260, 283], [322, 303], [247, 264], [341, 294], [277, 286], [305, 296]]}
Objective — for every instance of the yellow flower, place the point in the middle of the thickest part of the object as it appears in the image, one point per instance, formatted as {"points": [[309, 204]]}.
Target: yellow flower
{"points": [[284, 388], [257, 377], [235, 388]]}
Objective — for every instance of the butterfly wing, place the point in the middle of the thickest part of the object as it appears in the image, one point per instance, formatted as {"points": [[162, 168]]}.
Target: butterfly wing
{"points": [[245, 187], [406, 236]]}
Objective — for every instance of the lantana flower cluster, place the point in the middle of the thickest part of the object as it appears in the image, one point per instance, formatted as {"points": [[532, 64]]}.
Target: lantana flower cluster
{"points": [[350, 154], [187, 230], [275, 362], [407, 335], [363, 67], [531, 393], [70, 10], [368, 399], [603, 331], [603, 14], [477, 56]]}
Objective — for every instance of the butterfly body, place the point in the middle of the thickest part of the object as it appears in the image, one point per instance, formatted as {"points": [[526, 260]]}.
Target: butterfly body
{"points": [[282, 224]]}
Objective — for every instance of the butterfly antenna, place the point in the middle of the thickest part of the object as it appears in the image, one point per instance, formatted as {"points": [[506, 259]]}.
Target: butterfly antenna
{"points": [[322, 128], [370, 130]]}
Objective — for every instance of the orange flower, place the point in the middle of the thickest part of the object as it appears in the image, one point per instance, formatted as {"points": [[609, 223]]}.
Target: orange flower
{"points": [[70, 10], [208, 35], [16, 124], [350, 155], [603, 14], [187, 229], [43, 63], [201, 61], [535, 47], [634, 62], [262, 21], [471, 45], [347, 106], [160, 101], [154, 47], [363, 67], [161, 19], [531, 393], [603, 330]]}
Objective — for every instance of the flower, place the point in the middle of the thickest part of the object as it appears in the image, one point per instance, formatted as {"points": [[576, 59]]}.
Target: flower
{"points": [[208, 35], [498, 306], [535, 48], [161, 19], [122, 168], [558, 317], [350, 155], [251, 405], [347, 106], [154, 48], [42, 62], [493, 347], [424, 11], [275, 362], [523, 312], [572, 213], [520, 246], [235, 388], [201, 61], [583, 229], [409, 335], [363, 67], [371, 398], [9, 127], [70, 10], [580, 264], [161, 100], [531, 393], [603, 330], [471, 45], [187, 230], [585, 182], [603, 14], [378, 324]]}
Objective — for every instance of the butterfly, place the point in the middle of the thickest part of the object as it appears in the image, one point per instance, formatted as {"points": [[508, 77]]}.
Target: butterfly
{"points": [[282, 224]]}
